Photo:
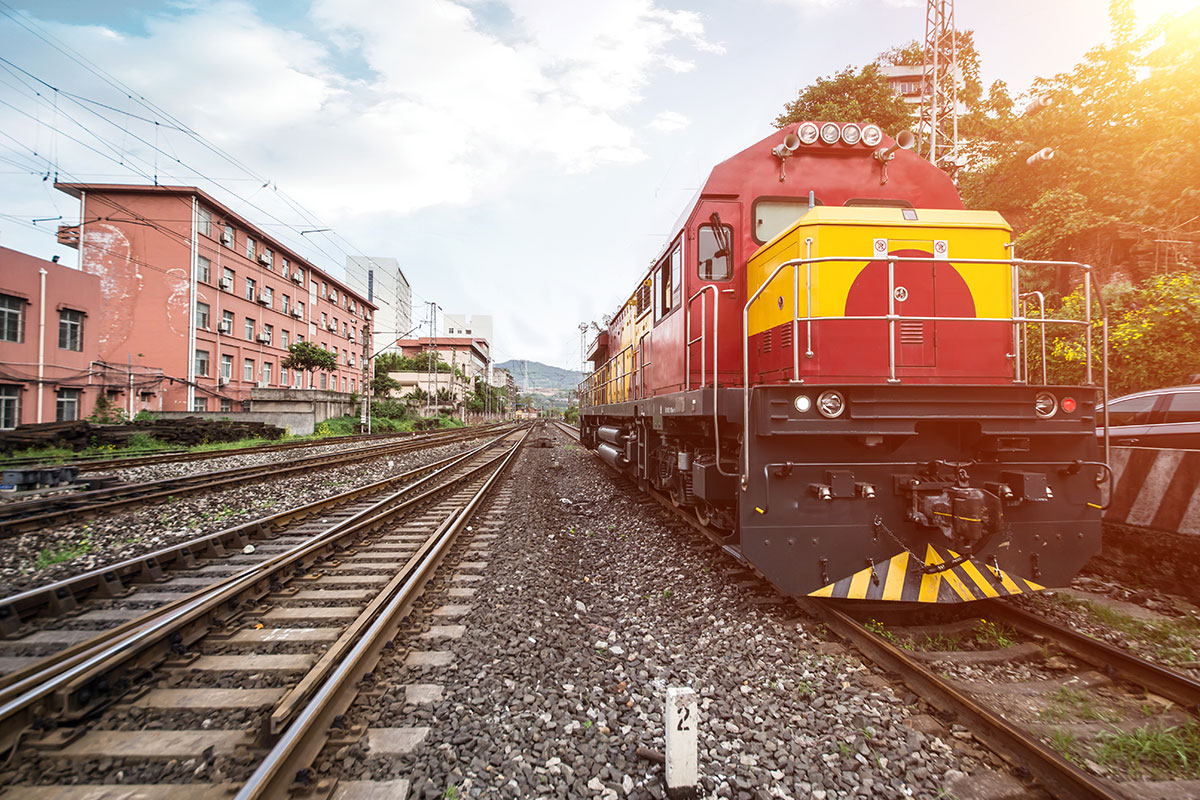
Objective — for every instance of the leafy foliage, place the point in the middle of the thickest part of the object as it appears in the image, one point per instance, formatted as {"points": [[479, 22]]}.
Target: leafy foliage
{"points": [[107, 413], [849, 96], [1153, 335], [395, 362], [309, 357]]}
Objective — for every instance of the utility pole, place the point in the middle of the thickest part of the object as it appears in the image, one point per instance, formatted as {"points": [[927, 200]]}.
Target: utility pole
{"points": [[432, 356], [937, 132]]}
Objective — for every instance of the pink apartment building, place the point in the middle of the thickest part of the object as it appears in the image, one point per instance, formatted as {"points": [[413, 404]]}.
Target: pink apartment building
{"points": [[48, 348], [196, 291]]}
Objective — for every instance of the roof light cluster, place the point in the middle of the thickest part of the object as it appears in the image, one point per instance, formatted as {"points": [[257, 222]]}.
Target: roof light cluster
{"points": [[831, 133]]}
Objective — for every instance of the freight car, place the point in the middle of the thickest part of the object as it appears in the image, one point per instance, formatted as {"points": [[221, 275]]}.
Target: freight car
{"points": [[828, 363]]}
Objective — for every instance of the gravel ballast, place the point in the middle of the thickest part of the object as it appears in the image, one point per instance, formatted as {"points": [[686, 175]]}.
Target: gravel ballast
{"points": [[593, 603]]}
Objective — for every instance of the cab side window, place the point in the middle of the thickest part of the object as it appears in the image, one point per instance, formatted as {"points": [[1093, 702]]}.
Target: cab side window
{"points": [[668, 284], [713, 253]]}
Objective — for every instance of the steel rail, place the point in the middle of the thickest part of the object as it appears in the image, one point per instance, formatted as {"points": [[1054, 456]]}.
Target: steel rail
{"points": [[185, 620], [1061, 778], [15, 517], [304, 738], [107, 580], [1176, 687]]}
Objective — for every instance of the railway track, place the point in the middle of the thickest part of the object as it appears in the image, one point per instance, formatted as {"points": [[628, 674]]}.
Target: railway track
{"points": [[1077, 675], [57, 508], [97, 463], [247, 676]]}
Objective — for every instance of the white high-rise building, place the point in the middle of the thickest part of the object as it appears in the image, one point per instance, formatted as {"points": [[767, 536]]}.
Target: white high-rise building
{"points": [[383, 279]]}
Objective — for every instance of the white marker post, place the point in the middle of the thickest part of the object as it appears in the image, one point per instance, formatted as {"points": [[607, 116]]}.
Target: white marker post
{"points": [[682, 723]]}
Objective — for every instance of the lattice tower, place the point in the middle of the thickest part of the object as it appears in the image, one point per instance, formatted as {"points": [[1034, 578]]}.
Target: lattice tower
{"points": [[937, 133]]}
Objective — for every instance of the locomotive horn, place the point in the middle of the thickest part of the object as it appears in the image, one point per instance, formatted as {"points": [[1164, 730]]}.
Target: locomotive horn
{"points": [[1041, 156], [1038, 103], [790, 144], [904, 141]]}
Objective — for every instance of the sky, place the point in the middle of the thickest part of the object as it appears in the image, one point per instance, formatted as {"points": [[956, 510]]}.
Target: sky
{"points": [[520, 158]]}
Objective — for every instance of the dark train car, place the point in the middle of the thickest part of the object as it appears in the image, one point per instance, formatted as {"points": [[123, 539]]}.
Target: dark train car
{"points": [[826, 364]]}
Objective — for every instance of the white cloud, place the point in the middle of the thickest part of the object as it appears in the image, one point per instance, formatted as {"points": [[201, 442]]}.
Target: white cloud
{"points": [[669, 122]]}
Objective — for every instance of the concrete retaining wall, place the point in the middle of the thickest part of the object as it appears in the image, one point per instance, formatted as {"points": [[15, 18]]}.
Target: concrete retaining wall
{"points": [[296, 423], [1157, 489]]}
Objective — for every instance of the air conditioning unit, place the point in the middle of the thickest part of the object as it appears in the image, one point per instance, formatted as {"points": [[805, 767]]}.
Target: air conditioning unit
{"points": [[264, 298], [332, 326], [352, 334], [227, 284], [298, 277], [227, 238], [265, 338], [222, 381], [263, 384], [352, 359], [297, 313], [225, 327], [265, 258]]}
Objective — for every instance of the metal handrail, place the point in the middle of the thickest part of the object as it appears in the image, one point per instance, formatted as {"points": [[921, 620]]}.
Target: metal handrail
{"points": [[688, 357], [892, 318]]}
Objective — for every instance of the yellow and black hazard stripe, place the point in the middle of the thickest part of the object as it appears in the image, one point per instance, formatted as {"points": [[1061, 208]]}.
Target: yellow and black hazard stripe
{"points": [[902, 578]]}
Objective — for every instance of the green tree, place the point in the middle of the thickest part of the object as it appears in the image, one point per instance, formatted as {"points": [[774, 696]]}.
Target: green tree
{"points": [[850, 96], [383, 384], [309, 357]]}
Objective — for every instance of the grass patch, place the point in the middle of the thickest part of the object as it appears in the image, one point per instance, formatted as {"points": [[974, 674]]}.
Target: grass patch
{"points": [[57, 555], [1151, 751], [1170, 640], [1065, 743], [990, 633], [1069, 703]]}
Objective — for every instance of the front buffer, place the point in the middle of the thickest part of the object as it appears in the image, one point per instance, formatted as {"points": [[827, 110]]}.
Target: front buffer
{"points": [[920, 493]]}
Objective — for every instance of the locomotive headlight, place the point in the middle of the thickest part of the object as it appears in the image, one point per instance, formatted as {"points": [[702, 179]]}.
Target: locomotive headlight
{"points": [[830, 133], [831, 404], [803, 403], [808, 133], [851, 133], [871, 135], [1045, 405]]}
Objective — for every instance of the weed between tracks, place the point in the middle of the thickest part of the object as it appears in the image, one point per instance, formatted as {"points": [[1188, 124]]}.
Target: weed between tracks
{"points": [[986, 635], [1171, 753], [1172, 641]]}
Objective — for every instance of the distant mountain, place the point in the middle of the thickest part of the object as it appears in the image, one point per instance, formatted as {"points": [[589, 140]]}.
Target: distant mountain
{"points": [[542, 376]]}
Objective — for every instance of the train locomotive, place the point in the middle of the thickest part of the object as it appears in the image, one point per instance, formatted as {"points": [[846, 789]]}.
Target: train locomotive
{"points": [[827, 363]]}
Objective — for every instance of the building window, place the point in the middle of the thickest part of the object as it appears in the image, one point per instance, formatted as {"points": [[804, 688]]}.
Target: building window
{"points": [[285, 303], [202, 363], [66, 406], [202, 315], [227, 237], [199, 404], [250, 287], [249, 248], [284, 268], [352, 384], [269, 330], [324, 380], [227, 367], [268, 295], [324, 292], [268, 258], [324, 320], [267, 369], [12, 318], [226, 404], [343, 383], [283, 376], [204, 220], [70, 330], [248, 370], [333, 296], [300, 308], [227, 322], [283, 339], [249, 330], [10, 406], [203, 269]]}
